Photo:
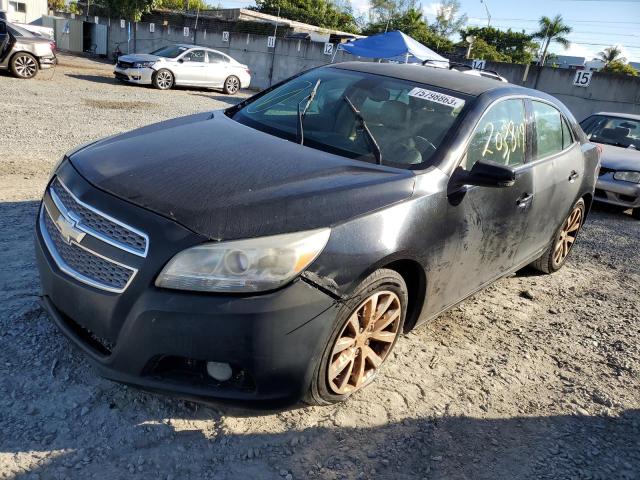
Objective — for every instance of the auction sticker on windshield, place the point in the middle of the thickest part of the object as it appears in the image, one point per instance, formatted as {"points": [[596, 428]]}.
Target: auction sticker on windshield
{"points": [[437, 97]]}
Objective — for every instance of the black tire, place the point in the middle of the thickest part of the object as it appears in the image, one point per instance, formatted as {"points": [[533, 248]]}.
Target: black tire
{"points": [[24, 65], [635, 213], [163, 79], [390, 286], [231, 85], [549, 262]]}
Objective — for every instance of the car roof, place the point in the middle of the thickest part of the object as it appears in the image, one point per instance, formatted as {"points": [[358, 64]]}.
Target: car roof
{"points": [[191, 46], [438, 77], [629, 116]]}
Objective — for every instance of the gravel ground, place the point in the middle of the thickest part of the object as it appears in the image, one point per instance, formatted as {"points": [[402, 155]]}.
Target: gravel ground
{"points": [[537, 377]]}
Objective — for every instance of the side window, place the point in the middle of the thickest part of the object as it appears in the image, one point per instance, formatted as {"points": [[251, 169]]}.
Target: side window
{"points": [[215, 57], [567, 136], [500, 136], [194, 56], [548, 129]]}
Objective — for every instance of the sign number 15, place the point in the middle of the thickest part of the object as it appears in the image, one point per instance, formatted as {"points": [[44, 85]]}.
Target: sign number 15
{"points": [[582, 78]]}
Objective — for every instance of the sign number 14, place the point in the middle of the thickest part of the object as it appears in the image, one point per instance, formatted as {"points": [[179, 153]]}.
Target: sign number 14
{"points": [[582, 78]]}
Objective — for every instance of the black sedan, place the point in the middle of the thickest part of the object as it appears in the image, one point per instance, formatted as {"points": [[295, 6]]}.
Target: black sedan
{"points": [[276, 250]]}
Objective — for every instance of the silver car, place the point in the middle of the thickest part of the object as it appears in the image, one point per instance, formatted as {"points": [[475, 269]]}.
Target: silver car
{"points": [[24, 52], [188, 65], [618, 135]]}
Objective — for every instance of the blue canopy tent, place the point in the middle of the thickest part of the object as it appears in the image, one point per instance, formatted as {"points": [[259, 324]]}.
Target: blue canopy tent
{"points": [[391, 45]]}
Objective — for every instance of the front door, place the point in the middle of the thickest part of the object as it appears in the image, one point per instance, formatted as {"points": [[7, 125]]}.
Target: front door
{"points": [[193, 69], [488, 224]]}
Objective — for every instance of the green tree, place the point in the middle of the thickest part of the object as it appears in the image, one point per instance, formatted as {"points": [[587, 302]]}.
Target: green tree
{"points": [[182, 5], [552, 30], [611, 54], [129, 9], [620, 67], [484, 51], [56, 5], [448, 21], [323, 13], [516, 47]]}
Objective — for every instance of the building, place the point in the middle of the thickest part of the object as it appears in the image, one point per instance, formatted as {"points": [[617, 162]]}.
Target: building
{"points": [[24, 11], [565, 61]]}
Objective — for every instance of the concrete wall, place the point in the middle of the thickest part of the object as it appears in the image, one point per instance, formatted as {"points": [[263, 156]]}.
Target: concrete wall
{"points": [[606, 92]]}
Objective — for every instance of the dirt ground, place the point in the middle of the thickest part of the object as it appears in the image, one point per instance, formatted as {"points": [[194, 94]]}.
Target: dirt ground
{"points": [[537, 377]]}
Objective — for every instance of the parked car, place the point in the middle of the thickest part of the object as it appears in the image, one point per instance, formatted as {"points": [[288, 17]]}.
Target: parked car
{"points": [[187, 65], [23, 52], [277, 249], [619, 137]]}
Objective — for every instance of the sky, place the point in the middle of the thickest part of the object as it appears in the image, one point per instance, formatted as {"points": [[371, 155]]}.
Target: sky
{"points": [[596, 24]]}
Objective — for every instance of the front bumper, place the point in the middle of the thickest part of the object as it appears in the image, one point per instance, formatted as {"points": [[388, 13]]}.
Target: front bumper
{"points": [[616, 192], [161, 339], [141, 76]]}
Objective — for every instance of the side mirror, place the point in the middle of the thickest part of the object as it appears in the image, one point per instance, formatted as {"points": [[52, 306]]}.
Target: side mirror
{"points": [[485, 174], [182, 60]]}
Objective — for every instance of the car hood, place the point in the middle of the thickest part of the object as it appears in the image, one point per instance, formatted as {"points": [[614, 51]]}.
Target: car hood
{"points": [[225, 180], [618, 158], [139, 57]]}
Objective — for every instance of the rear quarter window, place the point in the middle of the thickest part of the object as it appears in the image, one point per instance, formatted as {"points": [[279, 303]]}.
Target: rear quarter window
{"points": [[549, 129]]}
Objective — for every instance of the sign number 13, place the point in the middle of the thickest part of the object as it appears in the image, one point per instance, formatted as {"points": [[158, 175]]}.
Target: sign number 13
{"points": [[582, 78]]}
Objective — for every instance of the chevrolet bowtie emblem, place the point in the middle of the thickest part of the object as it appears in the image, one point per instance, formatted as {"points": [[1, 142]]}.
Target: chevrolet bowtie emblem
{"points": [[68, 230]]}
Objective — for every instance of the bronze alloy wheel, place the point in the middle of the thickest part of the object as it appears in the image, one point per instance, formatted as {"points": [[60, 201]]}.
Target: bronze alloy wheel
{"points": [[568, 235], [364, 342]]}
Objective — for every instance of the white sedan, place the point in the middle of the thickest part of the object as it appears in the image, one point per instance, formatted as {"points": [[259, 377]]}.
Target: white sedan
{"points": [[188, 65]]}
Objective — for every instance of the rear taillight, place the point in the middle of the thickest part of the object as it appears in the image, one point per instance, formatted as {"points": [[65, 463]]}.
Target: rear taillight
{"points": [[248, 71]]}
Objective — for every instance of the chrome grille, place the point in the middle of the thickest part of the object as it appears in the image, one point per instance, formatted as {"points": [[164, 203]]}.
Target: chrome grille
{"points": [[98, 224], [83, 264]]}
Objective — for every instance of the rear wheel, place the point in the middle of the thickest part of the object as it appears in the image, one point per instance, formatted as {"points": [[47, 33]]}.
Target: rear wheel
{"points": [[163, 79], [556, 255], [24, 65], [365, 332], [231, 85]]}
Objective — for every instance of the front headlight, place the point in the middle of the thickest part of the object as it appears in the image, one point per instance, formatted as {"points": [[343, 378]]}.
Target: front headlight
{"points": [[252, 265], [633, 177], [143, 64]]}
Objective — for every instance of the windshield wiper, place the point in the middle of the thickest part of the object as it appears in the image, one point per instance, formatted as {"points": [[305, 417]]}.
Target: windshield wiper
{"points": [[302, 113], [363, 125]]}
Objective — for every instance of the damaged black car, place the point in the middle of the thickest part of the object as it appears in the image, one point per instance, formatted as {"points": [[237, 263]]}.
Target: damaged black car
{"points": [[277, 250]]}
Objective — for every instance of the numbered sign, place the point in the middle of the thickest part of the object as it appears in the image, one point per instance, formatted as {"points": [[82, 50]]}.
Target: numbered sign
{"points": [[582, 78], [96, 20], [152, 27], [225, 36], [185, 31], [479, 64], [271, 42], [328, 48], [123, 23]]}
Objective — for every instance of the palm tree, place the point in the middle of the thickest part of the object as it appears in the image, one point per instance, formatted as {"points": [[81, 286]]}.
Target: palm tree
{"points": [[611, 54], [552, 30]]}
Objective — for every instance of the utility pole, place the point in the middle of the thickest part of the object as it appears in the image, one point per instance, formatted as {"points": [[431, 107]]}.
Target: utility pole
{"points": [[273, 56], [486, 7]]}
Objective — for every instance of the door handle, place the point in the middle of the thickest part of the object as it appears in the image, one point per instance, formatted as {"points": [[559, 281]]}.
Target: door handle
{"points": [[573, 176], [524, 200]]}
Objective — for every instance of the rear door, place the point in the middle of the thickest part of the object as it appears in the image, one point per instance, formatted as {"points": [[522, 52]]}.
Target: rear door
{"points": [[490, 222], [557, 168], [217, 68]]}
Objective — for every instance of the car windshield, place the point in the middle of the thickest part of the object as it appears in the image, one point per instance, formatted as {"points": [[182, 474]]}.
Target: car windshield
{"points": [[171, 51], [407, 120], [621, 132]]}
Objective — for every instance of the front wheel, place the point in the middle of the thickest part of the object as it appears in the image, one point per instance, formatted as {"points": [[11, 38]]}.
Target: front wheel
{"points": [[163, 79], [556, 255], [231, 85], [24, 65], [363, 336]]}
